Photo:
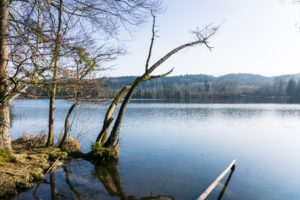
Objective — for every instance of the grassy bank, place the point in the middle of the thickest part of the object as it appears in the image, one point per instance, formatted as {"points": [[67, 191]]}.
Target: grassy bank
{"points": [[28, 163]]}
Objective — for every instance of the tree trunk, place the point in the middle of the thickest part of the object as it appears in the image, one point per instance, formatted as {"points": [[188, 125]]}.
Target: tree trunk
{"points": [[56, 55], [113, 138], [109, 147], [51, 115], [109, 114], [5, 139], [67, 125]]}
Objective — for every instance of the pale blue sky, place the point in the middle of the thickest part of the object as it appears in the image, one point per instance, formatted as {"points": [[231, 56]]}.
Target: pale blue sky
{"points": [[256, 36]]}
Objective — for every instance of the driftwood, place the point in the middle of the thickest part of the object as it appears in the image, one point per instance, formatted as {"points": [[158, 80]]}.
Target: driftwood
{"points": [[205, 194]]}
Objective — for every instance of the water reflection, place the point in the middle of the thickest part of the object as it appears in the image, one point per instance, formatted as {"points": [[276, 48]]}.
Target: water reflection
{"points": [[107, 173], [63, 184], [177, 150], [70, 184], [226, 184]]}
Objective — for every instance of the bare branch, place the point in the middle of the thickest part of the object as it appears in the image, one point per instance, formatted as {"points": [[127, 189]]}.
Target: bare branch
{"points": [[151, 43]]}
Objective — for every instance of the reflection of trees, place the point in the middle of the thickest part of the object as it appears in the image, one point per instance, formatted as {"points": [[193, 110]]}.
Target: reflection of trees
{"points": [[68, 181], [241, 112], [108, 174], [54, 195]]}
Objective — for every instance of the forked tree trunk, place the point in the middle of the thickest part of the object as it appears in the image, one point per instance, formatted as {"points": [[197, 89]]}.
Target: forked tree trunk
{"points": [[56, 55], [5, 139], [113, 138], [107, 145], [102, 136]]}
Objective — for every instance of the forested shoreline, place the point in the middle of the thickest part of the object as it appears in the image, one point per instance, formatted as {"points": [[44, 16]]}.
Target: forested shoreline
{"points": [[198, 88]]}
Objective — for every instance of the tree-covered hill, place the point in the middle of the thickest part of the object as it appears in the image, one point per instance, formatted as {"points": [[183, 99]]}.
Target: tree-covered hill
{"points": [[197, 87]]}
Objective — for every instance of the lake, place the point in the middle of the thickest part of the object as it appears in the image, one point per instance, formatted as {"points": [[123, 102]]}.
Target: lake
{"points": [[175, 151]]}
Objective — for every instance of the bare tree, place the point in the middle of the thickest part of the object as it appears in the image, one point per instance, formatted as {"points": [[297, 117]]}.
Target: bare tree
{"points": [[106, 145], [18, 66], [81, 79], [21, 55], [74, 23], [37, 37]]}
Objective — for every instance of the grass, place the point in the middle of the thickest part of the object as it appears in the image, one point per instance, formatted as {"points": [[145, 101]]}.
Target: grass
{"points": [[26, 164]]}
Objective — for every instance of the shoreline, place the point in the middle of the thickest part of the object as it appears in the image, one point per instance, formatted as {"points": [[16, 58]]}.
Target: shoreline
{"points": [[26, 166]]}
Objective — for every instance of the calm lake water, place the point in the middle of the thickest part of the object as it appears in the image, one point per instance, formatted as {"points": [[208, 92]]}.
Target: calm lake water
{"points": [[176, 150]]}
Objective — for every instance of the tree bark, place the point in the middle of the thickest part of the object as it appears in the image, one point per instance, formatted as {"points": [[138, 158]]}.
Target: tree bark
{"points": [[113, 138], [5, 139], [109, 114], [56, 55], [110, 144], [67, 125]]}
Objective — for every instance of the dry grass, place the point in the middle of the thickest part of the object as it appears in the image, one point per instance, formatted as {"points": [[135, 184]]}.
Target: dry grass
{"points": [[29, 141], [71, 144]]}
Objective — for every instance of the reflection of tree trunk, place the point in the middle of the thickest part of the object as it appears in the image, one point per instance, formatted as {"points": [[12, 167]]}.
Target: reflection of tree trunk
{"points": [[52, 186], [5, 140], [108, 174], [69, 182]]}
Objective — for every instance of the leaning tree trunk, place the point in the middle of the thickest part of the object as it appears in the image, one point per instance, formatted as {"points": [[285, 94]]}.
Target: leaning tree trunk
{"points": [[5, 139], [67, 125], [107, 146], [113, 138], [102, 136], [56, 55]]}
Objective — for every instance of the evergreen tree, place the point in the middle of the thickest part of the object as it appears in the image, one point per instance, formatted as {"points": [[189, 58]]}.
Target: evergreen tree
{"points": [[291, 89]]}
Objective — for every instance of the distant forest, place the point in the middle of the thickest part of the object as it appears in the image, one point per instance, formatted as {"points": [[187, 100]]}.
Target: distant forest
{"points": [[230, 87]]}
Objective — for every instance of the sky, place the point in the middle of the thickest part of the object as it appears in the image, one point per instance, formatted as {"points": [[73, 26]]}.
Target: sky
{"points": [[257, 36]]}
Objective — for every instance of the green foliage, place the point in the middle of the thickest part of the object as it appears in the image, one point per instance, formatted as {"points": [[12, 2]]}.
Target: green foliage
{"points": [[291, 88], [86, 59], [236, 87], [6, 155]]}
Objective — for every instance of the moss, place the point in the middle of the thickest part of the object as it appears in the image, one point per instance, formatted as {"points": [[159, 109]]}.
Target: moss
{"points": [[6, 155], [38, 174], [104, 153], [18, 171]]}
